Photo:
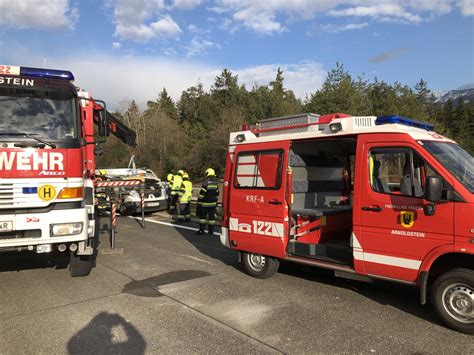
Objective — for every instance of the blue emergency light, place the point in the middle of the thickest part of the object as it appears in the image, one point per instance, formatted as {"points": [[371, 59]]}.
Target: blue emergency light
{"points": [[47, 73], [30, 190], [404, 121]]}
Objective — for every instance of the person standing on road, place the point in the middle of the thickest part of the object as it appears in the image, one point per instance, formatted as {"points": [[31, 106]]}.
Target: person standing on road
{"points": [[169, 179], [185, 195], [207, 202], [175, 189]]}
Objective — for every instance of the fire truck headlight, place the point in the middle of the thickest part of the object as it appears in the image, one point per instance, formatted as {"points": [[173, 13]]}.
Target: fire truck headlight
{"points": [[71, 192], [63, 229]]}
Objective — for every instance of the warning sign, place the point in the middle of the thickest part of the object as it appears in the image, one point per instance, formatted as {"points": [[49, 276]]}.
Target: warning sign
{"points": [[46, 192]]}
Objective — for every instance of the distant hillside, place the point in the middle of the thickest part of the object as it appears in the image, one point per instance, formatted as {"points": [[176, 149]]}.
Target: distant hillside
{"points": [[466, 94]]}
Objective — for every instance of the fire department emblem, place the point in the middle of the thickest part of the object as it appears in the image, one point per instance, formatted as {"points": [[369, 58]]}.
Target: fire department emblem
{"points": [[407, 219]]}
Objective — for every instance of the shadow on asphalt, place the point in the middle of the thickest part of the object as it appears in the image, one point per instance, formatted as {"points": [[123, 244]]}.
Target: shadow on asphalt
{"points": [[402, 297], [150, 287], [209, 244], [399, 296], [107, 333], [17, 261]]}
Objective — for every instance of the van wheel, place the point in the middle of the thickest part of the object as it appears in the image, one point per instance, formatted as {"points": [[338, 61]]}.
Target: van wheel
{"points": [[80, 265], [453, 299], [260, 266]]}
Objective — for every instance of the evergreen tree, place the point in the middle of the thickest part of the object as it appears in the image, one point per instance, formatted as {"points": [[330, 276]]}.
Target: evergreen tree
{"points": [[422, 91]]}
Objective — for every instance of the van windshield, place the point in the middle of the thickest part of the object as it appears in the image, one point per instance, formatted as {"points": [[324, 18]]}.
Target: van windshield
{"points": [[459, 162]]}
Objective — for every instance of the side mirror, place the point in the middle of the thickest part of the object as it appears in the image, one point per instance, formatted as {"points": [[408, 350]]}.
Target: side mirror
{"points": [[433, 188], [103, 123]]}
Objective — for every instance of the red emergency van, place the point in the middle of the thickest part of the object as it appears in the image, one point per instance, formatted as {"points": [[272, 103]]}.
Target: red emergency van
{"points": [[368, 197]]}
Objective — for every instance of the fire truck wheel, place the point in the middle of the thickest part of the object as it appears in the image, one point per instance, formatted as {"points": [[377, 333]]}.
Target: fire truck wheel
{"points": [[453, 298], [80, 265], [260, 266]]}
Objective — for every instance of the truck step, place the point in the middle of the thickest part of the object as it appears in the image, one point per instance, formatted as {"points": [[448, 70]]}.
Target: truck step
{"points": [[329, 253]]}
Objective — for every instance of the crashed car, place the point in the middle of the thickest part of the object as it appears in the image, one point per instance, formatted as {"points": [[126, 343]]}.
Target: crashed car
{"points": [[129, 197], [155, 198]]}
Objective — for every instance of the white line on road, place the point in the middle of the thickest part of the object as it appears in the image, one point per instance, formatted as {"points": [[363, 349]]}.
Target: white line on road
{"points": [[170, 224]]}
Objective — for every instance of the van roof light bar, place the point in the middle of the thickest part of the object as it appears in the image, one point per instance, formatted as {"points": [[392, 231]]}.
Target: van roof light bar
{"points": [[403, 121]]}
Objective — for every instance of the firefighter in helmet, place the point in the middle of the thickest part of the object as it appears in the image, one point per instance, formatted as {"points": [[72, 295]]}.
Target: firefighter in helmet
{"points": [[169, 179], [207, 202], [175, 189], [185, 195]]}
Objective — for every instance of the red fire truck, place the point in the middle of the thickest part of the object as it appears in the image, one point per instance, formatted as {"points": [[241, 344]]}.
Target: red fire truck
{"points": [[368, 197], [47, 163]]}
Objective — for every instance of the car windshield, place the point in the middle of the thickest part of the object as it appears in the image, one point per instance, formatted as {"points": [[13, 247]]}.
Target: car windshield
{"points": [[44, 117], [459, 162]]}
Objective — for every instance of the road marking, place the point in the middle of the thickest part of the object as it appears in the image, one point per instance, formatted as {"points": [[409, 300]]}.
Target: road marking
{"points": [[170, 224]]}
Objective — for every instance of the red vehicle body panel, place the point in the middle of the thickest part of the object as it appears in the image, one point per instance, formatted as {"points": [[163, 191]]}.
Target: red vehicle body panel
{"points": [[40, 163], [383, 246]]}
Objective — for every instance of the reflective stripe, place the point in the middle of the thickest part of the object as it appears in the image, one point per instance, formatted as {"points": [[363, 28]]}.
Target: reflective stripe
{"points": [[209, 204], [212, 222], [360, 254], [202, 221]]}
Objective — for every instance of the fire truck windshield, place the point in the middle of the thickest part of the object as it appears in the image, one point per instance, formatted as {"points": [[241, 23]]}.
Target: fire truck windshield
{"points": [[459, 162], [44, 117]]}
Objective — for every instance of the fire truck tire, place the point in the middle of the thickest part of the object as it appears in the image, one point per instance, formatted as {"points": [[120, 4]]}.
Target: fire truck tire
{"points": [[80, 265], [452, 296], [260, 266]]}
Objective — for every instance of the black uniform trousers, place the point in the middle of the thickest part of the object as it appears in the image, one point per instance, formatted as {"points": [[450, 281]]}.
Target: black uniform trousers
{"points": [[207, 215]]}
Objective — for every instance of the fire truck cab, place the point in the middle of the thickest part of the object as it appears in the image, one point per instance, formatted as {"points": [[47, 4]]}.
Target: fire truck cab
{"points": [[47, 162], [368, 197]]}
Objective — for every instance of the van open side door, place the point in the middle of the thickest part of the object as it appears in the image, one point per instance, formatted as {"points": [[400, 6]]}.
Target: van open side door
{"points": [[257, 208]]}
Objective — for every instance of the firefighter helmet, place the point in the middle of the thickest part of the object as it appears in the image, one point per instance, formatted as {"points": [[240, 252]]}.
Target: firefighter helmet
{"points": [[169, 177], [210, 172], [185, 176], [181, 172]]}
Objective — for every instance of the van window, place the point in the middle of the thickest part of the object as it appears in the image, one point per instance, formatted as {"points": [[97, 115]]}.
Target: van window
{"points": [[259, 170], [399, 171]]}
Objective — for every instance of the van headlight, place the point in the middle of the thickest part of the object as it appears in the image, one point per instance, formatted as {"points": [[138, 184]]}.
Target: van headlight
{"points": [[63, 229]]}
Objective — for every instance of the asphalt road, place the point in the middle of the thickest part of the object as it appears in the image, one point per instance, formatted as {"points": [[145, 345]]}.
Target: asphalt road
{"points": [[175, 292]]}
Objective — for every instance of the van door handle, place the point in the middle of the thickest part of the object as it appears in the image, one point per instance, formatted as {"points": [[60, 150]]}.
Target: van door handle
{"points": [[275, 202], [372, 209]]}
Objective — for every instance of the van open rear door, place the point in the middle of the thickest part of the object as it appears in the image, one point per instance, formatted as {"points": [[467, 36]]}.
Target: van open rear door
{"points": [[257, 208]]}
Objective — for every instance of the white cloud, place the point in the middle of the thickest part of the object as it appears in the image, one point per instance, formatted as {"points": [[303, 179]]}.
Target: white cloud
{"points": [[349, 27], [303, 78], [115, 78], [186, 4], [199, 46], [116, 45], [382, 11], [133, 20], [40, 14], [166, 27], [271, 16], [467, 7]]}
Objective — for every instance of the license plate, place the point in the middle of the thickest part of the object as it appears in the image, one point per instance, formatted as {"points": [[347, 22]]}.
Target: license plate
{"points": [[6, 226], [153, 204]]}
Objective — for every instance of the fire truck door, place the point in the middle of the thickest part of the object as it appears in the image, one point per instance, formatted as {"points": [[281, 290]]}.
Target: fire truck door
{"points": [[258, 210], [395, 234]]}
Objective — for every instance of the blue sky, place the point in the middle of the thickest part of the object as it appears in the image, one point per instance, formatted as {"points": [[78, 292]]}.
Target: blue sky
{"points": [[130, 49]]}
